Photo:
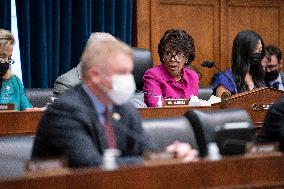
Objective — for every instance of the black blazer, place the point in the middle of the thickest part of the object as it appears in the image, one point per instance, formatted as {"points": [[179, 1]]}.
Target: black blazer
{"points": [[273, 127], [70, 127]]}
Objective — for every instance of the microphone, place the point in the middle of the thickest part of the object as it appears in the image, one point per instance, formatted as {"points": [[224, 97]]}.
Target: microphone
{"points": [[208, 64], [211, 64]]}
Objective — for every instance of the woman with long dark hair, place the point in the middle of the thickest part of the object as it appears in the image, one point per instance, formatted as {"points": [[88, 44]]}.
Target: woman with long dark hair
{"points": [[246, 72]]}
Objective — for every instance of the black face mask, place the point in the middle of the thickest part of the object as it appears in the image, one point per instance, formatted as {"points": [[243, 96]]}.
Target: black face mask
{"points": [[4, 68], [271, 76], [255, 59]]}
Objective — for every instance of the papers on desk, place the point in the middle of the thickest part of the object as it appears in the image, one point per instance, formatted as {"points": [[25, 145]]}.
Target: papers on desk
{"points": [[195, 101]]}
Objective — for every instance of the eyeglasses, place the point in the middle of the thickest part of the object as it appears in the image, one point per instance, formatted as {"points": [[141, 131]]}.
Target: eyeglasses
{"points": [[177, 57], [271, 67], [10, 61]]}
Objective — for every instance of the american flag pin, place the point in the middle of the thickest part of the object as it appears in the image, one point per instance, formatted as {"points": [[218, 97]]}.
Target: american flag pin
{"points": [[116, 116]]}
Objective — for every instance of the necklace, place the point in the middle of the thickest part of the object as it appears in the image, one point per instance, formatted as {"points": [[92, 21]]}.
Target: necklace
{"points": [[179, 78]]}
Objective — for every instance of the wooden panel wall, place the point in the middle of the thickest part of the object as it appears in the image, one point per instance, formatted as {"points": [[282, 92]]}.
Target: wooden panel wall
{"points": [[212, 23]]}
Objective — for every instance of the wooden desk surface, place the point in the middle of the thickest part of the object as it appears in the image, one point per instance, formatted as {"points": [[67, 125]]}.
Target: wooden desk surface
{"points": [[19, 122], [263, 171], [174, 111]]}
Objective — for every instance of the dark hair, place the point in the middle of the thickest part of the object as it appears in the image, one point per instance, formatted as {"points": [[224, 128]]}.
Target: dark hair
{"points": [[244, 46], [273, 50], [180, 40]]}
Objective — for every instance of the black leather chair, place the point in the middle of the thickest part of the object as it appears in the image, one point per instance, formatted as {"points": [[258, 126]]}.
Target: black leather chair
{"points": [[205, 93], [142, 60], [39, 97], [205, 123], [165, 131], [15, 151]]}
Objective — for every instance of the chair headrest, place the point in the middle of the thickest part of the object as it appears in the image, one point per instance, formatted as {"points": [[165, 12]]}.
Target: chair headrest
{"points": [[142, 60], [165, 131], [205, 93], [39, 97], [205, 122]]}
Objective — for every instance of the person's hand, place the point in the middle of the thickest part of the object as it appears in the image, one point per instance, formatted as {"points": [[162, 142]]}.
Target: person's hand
{"points": [[183, 151]]}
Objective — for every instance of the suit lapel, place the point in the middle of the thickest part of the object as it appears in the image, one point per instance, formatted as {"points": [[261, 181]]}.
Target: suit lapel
{"points": [[95, 128], [282, 77]]}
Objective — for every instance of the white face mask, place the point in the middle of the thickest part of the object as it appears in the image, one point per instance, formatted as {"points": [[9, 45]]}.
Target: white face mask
{"points": [[123, 88]]}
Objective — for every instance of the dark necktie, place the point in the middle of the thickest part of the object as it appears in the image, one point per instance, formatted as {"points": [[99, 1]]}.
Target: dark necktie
{"points": [[276, 85], [109, 133]]}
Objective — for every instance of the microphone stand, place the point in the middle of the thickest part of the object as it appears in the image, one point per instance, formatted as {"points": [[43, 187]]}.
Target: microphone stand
{"points": [[226, 77], [223, 73]]}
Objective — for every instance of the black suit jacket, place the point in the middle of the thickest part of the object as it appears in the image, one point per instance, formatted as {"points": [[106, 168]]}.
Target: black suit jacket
{"points": [[281, 76], [70, 127], [273, 127]]}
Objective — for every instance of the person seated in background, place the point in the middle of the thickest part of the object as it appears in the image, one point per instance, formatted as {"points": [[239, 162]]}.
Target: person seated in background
{"points": [[12, 89], [272, 64], [96, 115], [172, 79], [73, 76], [273, 127], [246, 71]]}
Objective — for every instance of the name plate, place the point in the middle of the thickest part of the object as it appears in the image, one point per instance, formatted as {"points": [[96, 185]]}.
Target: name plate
{"points": [[176, 102], [7, 106]]}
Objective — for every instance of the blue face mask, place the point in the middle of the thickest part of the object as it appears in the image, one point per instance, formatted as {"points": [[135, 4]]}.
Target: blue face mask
{"points": [[255, 59]]}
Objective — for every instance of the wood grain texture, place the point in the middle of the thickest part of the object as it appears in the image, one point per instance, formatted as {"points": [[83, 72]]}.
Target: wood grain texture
{"points": [[264, 171], [212, 23], [19, 122]]}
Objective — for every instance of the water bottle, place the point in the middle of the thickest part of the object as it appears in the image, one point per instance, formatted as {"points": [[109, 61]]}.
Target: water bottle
{"points": [[109, 159], [213, 151], [160, 102]]}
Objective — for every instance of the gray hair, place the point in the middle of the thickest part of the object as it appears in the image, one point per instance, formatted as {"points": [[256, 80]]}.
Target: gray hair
{"points": [[99, 52], [97, 36]]}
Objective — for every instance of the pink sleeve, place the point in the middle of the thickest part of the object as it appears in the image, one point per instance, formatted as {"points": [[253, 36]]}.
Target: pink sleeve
{"points": [[195, 83], [193, 80], [151, 88]]}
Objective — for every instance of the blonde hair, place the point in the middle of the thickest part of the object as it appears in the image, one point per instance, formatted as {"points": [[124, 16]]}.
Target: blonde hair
{"points": [[6, 38], [97, 36], [99, 52]]}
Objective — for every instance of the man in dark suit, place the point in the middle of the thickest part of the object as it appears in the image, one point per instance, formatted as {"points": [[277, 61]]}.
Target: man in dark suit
{"points": [[96, 115], [273, 127], [272, 64], [73, 77]]}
